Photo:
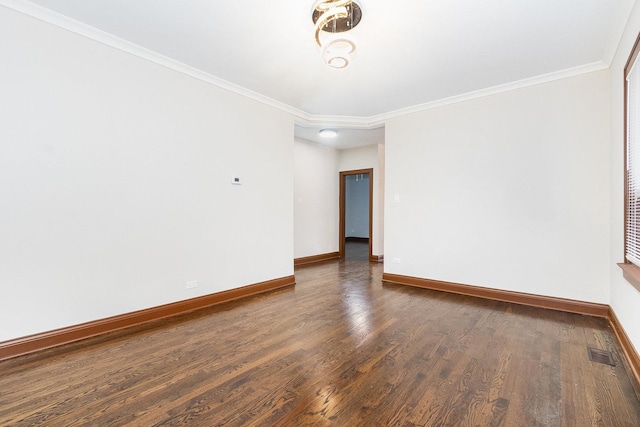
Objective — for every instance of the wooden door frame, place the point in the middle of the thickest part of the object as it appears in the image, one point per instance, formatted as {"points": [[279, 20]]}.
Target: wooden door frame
{"points": [[343, 204]]}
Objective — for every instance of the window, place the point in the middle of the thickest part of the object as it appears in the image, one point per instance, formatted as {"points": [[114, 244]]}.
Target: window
{"points": [[631, 266]]}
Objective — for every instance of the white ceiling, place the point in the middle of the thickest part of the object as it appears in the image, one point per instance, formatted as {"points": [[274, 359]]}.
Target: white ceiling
{"points": [[410, 52]]}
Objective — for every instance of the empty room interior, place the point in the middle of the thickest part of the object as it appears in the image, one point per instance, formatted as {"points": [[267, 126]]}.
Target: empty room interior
{"points": [[335, 212]]}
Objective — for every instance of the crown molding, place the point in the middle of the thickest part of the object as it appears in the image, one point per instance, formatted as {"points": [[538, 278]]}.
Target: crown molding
{"points": [[507, 87], [613, 42], [301, 117], [77, 27], [310, 120], [379, 120]]}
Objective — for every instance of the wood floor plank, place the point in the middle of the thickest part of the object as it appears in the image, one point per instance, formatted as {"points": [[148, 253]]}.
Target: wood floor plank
{"points": [[339, 349]]}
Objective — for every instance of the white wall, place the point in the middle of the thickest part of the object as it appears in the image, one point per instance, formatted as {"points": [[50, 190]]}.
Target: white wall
{"points": [[316, 194], [357, 205], [509, 191], [115, 182], [379, 198], [625, 299], [364, 158]]}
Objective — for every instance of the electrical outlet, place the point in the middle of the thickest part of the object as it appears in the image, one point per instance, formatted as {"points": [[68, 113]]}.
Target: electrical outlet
{"points": [[191, 284], [396, 260]]}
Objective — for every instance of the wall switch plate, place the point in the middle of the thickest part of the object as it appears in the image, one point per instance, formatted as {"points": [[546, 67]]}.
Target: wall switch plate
{"points": [[396, 198], [236, 180], [191, 284]]}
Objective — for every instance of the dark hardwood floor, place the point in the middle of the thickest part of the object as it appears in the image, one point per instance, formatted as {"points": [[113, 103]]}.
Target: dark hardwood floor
{"points": [[339, 349]]}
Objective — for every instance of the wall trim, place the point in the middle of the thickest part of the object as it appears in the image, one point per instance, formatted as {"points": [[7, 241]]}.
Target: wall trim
{"points": [[57, 337], [315, 258], [43, 14], [376, 258], [494, 90], [62, 21], [552, 303], [297, 262], [630, 353], [33, 343], [630, 272]]}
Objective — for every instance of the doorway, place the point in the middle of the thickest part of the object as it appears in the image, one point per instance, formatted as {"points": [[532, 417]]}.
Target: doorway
{"points": [[356, 208]]}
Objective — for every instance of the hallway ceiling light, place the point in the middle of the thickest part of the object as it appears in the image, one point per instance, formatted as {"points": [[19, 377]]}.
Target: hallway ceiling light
{"points": [[332, 18], [328, 133]]}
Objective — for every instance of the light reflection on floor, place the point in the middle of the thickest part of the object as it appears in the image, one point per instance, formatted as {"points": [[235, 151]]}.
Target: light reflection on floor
{"points": [[356, 304]]}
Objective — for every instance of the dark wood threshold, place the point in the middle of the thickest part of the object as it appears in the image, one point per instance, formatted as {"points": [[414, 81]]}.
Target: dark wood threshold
{"points": [[357, 239], [631, 273], [630, 353], [560, 304], [315, 258], [44, 340]]}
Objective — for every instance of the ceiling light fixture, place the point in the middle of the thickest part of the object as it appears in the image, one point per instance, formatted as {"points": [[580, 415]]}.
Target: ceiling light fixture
{"points": [[332, 18], [328, 133]]}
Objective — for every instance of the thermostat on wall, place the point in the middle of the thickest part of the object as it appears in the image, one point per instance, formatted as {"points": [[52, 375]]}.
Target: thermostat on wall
{"points": [[236, 180]]}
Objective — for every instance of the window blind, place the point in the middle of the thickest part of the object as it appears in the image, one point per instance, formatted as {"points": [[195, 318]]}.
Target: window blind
{"points": [[633, 166]]}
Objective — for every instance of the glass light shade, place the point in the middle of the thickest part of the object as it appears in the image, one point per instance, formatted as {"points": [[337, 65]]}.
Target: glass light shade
{"points": [[337, 53], [332, 18]]}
